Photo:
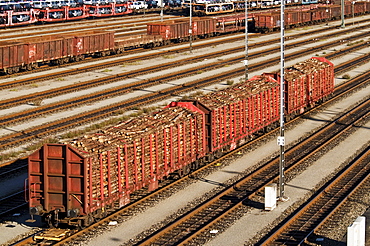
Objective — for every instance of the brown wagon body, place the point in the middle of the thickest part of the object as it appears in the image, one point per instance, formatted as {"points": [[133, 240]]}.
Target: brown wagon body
{"points": [[27, 53], [12, 54], [178, 30], [92, 42], [48, 48]]}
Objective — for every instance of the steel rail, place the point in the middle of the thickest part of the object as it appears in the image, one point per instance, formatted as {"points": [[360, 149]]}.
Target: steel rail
{"points": [[12, 202]]}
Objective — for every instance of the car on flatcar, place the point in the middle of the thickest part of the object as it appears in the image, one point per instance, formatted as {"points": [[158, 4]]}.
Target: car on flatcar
{"points": [[202, 9], [138, 5], [152, 4]]}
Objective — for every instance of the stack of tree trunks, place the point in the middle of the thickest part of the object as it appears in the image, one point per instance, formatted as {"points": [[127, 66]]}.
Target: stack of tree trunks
{"points": [[146, 142]]}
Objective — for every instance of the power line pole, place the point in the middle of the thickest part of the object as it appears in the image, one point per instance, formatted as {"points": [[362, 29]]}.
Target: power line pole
{"points": [[161, 3], [281, 138], [246, 40], [191, 28], [342, 13]]}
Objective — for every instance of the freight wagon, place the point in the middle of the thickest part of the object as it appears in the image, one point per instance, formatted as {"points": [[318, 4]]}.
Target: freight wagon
{"points": [[178, 30], [234, 23], [109, 9], [13, 14], [137, 41], [29, 53], [236, 113], [65, 13], [79, 181], [306, 84]]}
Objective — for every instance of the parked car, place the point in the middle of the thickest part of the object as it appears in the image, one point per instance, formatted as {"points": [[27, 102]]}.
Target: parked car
{"points": [[152, 4], [138, 5]]}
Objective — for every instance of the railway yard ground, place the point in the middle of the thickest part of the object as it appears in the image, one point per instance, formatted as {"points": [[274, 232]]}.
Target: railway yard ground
{"points": [[248, 229]]}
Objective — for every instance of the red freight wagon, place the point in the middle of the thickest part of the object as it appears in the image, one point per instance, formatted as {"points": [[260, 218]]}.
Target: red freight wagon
{"points": [[76, 182], [92, 42], [332, 12], [12, 55], [293, 18], [267, 21], [62, 14], [306, 16], [317, 15], [320, 76], [348, 9], [109, 9], [17, 17], [263, 103], [307, 83], [231, 23], [239, 111], [48, 48], [202, 27], [176, 30], [121, 9], [360, 7], [28, 52]]}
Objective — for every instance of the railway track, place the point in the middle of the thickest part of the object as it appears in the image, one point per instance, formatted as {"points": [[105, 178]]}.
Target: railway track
{"points": [[40, 131], [340, 91], [12, 203], [304, 225], [9, 169]]}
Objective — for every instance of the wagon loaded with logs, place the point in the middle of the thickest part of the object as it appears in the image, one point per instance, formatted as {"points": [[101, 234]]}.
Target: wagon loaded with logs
{"points": [[76, 182], [306, 84], [239, 111]]}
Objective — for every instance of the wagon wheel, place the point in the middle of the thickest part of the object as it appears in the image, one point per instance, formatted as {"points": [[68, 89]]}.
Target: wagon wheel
{"points": [[186, 169], [10, 70], [52, 220], [87, 221], [195, 165]]}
